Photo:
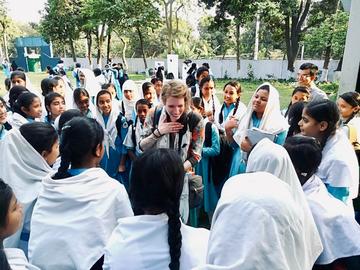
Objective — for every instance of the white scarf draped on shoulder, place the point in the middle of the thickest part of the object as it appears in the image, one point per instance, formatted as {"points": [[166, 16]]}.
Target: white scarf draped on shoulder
{"points": [[258, 225], [273, 158], [272, 121], [87, 206]]}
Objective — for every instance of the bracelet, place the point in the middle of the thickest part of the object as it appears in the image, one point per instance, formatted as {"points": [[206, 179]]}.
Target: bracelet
{"points": [[159, 132], [157, 137]]}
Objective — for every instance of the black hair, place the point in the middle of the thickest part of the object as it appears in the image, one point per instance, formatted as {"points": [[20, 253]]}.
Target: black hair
{"points": [[201, 70], [156, 184], [155, 80], [50, 98], [24, 100], [21, 69], [79, 129], [6, 193], [145, 86], [78, 92], [265, 87], [67, 116], [18, 74], [7, 83], [237, 86], [14, 93], [97, 71], [100, 93], [353, 99], [294, 117], [40, 135], [159, 73], [312, 67], [60, 61], [105, 86], [305, 154], [56, 79], [302, 89], [142, 101], [324, 110], [46, 85], [206, 65], [201, 84], [4, 103], [78, 65], [170, 76], [197, 102]]}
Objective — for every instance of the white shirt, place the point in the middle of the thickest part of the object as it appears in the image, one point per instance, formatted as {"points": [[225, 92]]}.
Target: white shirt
{"points": [[141, 242], [17, 260]]}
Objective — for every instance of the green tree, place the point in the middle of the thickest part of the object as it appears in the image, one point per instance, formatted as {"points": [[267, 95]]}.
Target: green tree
{"points": [[5, 22]]}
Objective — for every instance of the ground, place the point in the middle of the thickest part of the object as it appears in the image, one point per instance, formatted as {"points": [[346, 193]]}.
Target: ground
{"points": [[248, 87]]}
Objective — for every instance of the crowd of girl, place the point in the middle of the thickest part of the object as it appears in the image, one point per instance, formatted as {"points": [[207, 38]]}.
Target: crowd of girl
{"points": [[94, 179]]}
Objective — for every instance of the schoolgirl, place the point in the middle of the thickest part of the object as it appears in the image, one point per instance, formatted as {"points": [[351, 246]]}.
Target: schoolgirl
{"points": [[339, 232], [136, 130], [29, 152], [349, 105], [201, 73], [89, 82], [26, 109], [149, 93], [82, 102], [14, 93], [300, 93], [232, 106], [156, 231], [209, 98], [107, 115], [11, 214], [210, 149], [158, 84], [88, 203], [263, 112], [127, 105], [19, 78], [55, 106], [337, 170], [4, 125]]}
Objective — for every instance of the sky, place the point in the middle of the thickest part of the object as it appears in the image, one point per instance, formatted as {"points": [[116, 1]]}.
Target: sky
{"points": [[25, 10]]}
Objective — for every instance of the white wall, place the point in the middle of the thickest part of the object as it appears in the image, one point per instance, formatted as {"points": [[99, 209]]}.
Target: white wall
{"points": [[262, 68]]}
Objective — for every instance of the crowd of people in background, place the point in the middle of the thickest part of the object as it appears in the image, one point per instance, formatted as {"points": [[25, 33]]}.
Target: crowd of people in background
{"points": [[100, 173]]}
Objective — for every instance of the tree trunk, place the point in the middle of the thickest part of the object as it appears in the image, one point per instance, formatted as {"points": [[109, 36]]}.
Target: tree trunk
{"points": [[142, 47], [100, 42], [5, 45], [108, 46], [170, 29], [72, 48], [237, 46], [89, 45], [123, 56], [257, 28]]}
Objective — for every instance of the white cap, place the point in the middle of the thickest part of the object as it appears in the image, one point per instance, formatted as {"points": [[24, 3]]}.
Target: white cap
{"points": [[129, 85]]}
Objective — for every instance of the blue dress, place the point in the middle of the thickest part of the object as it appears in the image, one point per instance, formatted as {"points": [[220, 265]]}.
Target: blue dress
{"points": [[238, 164]]}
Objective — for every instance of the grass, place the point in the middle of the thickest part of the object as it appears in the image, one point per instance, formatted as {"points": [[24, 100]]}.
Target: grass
{"points": [[248, 87]]}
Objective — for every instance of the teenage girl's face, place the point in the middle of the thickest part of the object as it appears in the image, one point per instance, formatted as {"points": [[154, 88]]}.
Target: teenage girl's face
{"points": [[128, 94], [142, 111], [105, 104], [18, 81], [197, 110], [346, 110], [299, 96], [60, 88], [83, 103], [230, 95], [208, 89], [35, 110], [260, 101], [150, 94], [309, 126], [57, 107], [3, 113], [13, 218], [158, 87], [175, 107], [112, 91], [50, 157], [81, 78]]}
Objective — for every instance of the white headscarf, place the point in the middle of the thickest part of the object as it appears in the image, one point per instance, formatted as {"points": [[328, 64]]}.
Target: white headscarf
{"points": [[339, 231], [271, 121], [129, 105], [273, 158], [258, 225], [90, 84]]}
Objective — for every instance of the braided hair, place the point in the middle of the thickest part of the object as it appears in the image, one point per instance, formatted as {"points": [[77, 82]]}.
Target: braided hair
{"points": [[237, 86], [79, 137], [324, 110], [156, 183]]}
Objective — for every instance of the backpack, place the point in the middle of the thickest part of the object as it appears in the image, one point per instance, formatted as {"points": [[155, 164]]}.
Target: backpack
{"points": [[190, 80], [193, 90], [196, 187]]}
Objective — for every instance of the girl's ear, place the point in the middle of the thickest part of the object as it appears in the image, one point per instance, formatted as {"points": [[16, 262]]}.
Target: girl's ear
{"points": [[48, 108], [45, 154], [323, 125], [23, 109], [99, 150]]}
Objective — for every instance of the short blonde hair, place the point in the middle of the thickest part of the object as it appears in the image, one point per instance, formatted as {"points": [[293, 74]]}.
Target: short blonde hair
{"points": [[176, 89]]}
